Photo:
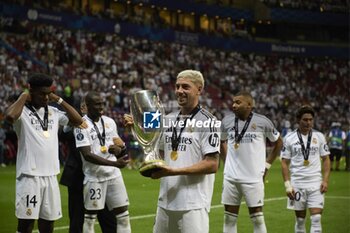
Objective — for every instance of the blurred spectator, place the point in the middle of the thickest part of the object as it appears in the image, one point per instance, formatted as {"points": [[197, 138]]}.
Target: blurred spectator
{"points": [[2, 146], [336, 141]]}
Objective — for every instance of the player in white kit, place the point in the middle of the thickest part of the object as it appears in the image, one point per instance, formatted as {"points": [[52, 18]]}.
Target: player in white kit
{"points": [[191, 154], [36, 125], [301, 168], [243, 148], [103, 182]]}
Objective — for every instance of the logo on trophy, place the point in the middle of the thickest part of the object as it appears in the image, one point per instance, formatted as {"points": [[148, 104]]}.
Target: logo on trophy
{"points": [[147, 112]]}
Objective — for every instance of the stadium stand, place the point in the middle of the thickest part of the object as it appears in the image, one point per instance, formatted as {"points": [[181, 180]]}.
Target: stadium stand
{"points": [[80, 60]]}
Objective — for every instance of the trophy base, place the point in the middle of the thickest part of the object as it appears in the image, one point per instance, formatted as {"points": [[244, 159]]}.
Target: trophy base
{"points": [[147, 168]]}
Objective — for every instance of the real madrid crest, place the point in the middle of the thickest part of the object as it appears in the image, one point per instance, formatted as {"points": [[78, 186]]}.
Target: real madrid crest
{"points": [[314, 140], [29, 212], [254, 126]]}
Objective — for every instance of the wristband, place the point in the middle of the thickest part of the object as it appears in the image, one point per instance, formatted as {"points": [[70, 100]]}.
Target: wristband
{"points": [[59, 101], [267, 165], [288, 186]]}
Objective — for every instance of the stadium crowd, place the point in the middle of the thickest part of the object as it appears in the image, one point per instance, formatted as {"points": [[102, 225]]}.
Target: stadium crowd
{"points": [[80, 61]]}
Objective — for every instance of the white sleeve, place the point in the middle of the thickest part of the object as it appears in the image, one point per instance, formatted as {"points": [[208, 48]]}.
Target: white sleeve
{"points": [[286, 151], [324, 150], [271, 132], [115, 129], [223, 130], [62, 117], [210, 140], [82, 137]]}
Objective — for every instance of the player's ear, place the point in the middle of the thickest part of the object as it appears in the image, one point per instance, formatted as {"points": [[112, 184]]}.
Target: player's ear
{"points": [[200, 88]]}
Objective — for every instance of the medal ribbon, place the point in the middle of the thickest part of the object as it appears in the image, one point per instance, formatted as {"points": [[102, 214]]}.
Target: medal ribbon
{"points": [[238, 137], [44, 123], [101, 138], [305, 151], [175, 140]]}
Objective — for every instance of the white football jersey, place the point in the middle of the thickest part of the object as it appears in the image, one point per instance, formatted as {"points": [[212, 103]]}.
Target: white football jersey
{"points": [[187, 192], [305, 176], [38, 155], [246, 164], [88, 137]]}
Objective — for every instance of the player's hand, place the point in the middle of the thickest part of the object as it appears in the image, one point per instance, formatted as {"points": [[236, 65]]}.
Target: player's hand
{"points": [[118, 151], [83, 125], [28, 96], [289, 190], [165, 171], [122, 162], [324, 187], [128, 120], [53, 97], [114, 149]]}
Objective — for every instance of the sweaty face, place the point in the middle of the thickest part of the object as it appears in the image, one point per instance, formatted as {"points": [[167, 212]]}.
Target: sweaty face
{"points": [[187, 93], [306, 123], [241, 105], [40, 96]]}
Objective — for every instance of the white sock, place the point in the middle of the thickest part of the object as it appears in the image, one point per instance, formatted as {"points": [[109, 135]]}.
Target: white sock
{"points": [[316, 223], [258, 222], [89, 223], [123, 222], [299, 225], [230, 222]]}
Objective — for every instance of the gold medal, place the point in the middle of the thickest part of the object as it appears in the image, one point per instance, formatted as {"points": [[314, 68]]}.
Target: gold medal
{"points": [[173, 155], [46, 134], [103, 149], [236, 145], [306, 163]]}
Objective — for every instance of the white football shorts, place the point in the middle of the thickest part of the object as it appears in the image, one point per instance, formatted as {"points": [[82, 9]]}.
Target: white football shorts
{"points": [[306, 198], [233, 192], [38, 197], [111, 192], [190, 221]]}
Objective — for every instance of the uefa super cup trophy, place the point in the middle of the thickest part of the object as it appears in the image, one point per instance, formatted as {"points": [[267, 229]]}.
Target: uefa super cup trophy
{"points": [[147, 112]]}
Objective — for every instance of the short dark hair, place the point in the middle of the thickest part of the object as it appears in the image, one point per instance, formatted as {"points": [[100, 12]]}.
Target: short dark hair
{"points": [[305, 109], [39, 80], [90, 96]]}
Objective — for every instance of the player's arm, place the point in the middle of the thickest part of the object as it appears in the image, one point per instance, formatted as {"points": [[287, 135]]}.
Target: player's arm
{"points": [[208, 165], [73, 116], [223, 150], [92, 158], [14, 111], [286, 178], [326, 172], [275, 152], [118, 148]]}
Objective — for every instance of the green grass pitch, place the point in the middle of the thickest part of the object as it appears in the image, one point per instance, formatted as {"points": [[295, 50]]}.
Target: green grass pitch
{"points": [[143, 194]]}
